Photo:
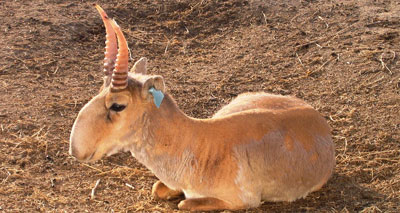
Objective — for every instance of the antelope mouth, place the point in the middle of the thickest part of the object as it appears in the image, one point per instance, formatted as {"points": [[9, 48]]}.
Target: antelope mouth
{"points": [[91, 156], [88, 159], [117, 149]]}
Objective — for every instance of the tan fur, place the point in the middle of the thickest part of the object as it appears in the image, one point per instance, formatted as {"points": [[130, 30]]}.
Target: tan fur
{"points": [[161, 191], [259, 147]]}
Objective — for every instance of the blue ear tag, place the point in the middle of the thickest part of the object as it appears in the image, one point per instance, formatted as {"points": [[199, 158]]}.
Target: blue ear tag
{"points": [[158, 96]]}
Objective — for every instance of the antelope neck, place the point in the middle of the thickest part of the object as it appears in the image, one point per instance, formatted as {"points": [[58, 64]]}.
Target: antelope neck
{"points": [[168, 142]]}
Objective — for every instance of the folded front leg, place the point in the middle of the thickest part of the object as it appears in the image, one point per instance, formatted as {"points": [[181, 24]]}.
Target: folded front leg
{"points": [[204, 204], [161, 191]]}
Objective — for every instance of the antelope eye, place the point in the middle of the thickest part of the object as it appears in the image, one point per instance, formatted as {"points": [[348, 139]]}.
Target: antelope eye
{"points": [[117, 107]]}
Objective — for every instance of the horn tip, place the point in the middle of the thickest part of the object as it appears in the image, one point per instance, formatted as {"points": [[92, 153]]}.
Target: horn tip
{"points": [[98, 7], [101, 11]]}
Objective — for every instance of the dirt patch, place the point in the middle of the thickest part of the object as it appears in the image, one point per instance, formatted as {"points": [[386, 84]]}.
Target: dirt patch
{"points": [[340, 56]]}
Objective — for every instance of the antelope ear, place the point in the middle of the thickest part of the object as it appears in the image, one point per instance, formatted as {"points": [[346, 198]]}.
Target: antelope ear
{"points": [[140, 66], [153, 90]]}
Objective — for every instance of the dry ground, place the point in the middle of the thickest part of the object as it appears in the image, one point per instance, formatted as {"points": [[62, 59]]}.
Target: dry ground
{"points": [[342, 56]]}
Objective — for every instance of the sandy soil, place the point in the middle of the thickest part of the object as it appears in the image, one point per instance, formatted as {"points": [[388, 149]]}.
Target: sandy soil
{"points": [[340, 56]]}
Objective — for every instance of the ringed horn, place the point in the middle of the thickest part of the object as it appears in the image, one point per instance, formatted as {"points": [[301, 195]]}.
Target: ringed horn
{"points": [[115, 66]]}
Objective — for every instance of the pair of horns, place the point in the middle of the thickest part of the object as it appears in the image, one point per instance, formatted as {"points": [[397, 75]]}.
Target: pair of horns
{"points": [[115, 59]]}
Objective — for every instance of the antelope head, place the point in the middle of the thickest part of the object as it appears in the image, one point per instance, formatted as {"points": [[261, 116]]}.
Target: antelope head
{"points": [[109, 119]]}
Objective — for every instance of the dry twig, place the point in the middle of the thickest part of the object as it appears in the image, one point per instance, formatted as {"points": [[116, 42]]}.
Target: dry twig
{"points": [[166, 48], [129, 185], [265, 17], [8, 175], [99, 170], [319, 68], [298, 58], [327, 25], [384, 64], [94, 189]]}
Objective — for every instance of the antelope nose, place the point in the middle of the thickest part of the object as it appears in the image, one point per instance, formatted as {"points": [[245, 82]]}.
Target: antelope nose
{"points": [[72, 151]]}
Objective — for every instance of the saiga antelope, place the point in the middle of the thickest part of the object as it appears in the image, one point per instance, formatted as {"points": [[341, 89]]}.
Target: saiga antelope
{"points": [[260, 147]]}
